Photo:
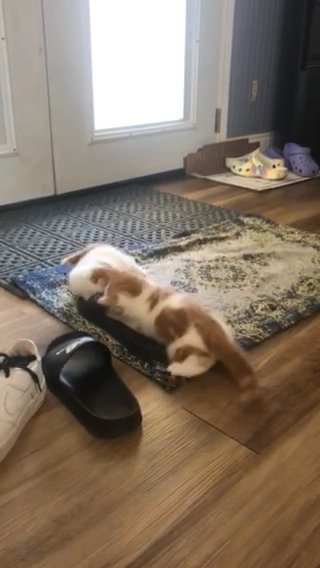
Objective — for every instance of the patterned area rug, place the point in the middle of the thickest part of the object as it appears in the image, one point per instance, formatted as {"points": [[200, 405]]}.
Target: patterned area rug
{"points": [[261, 276], [129, 217]]}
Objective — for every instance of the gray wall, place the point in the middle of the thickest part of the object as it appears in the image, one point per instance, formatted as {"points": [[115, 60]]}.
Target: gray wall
{"points": [[267, 42]]}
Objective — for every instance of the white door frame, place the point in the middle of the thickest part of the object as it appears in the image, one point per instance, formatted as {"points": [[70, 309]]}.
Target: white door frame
{"points": [[227, 25], [8, 147], [26, 167]]}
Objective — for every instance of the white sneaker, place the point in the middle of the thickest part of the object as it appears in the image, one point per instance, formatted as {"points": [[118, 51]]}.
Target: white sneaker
{"points": [[22, 391]]}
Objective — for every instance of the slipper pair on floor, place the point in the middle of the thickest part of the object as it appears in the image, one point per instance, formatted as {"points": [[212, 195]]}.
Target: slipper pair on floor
{"points": [[272, 164], [297, 159], [78, 370]]}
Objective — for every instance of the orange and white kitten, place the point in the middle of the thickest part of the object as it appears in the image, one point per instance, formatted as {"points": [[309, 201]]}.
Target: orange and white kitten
{"points": [[88, 259], [194, 340]]}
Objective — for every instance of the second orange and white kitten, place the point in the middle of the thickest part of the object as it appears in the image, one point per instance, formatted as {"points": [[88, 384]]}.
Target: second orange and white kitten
{"points": [[194, 339]]}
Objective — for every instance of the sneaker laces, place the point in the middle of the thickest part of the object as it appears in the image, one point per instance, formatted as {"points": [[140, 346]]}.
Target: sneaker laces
{"points": [[9, 362]]}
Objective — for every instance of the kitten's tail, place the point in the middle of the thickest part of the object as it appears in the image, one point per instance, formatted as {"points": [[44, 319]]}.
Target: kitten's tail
{"points": [[235, 360], [74, 257], [226, 350]]}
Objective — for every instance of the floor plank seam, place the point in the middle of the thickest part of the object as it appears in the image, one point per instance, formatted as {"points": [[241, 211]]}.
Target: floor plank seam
{"points": [[222, 432]]}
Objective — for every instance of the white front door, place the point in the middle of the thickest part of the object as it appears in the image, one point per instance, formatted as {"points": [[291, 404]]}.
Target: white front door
{"points": [[26, 170], [132, 85]]}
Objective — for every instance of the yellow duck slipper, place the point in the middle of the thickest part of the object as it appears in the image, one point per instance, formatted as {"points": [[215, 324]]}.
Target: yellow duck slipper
{"points": [[257, 164]]}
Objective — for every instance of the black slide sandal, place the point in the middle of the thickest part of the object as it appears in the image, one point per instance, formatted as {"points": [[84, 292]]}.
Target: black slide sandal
{"points": [[78, 371], [142, 347]]}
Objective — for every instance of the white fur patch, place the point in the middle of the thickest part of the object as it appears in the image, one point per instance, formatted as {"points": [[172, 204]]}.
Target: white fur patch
{"points": [[192, 366]]}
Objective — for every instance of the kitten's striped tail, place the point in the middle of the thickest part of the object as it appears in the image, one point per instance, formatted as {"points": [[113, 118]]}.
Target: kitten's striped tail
{"points": [[226, 350]]}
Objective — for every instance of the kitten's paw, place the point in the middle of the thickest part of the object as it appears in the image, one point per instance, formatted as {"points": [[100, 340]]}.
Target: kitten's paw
{"points": [[175, 369]]}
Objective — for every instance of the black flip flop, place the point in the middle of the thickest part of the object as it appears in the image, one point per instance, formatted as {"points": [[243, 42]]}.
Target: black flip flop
{"points": [[78, 370], [139, 345]]}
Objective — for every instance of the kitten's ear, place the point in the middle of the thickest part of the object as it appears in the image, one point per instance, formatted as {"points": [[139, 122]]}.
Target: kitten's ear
{"points": [[74, 257], [103, 275], [125, 282], [129, 283]]}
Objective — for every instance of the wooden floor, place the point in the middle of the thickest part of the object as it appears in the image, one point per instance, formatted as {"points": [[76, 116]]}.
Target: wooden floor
{"points": [[208, 482]]}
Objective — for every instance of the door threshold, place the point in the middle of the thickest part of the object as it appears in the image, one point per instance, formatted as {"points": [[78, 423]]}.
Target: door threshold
{"points": [[152, 178]]}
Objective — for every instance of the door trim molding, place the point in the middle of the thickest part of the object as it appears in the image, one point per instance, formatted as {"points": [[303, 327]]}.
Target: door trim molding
{"points": [[227, 25], [9, 148]]}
